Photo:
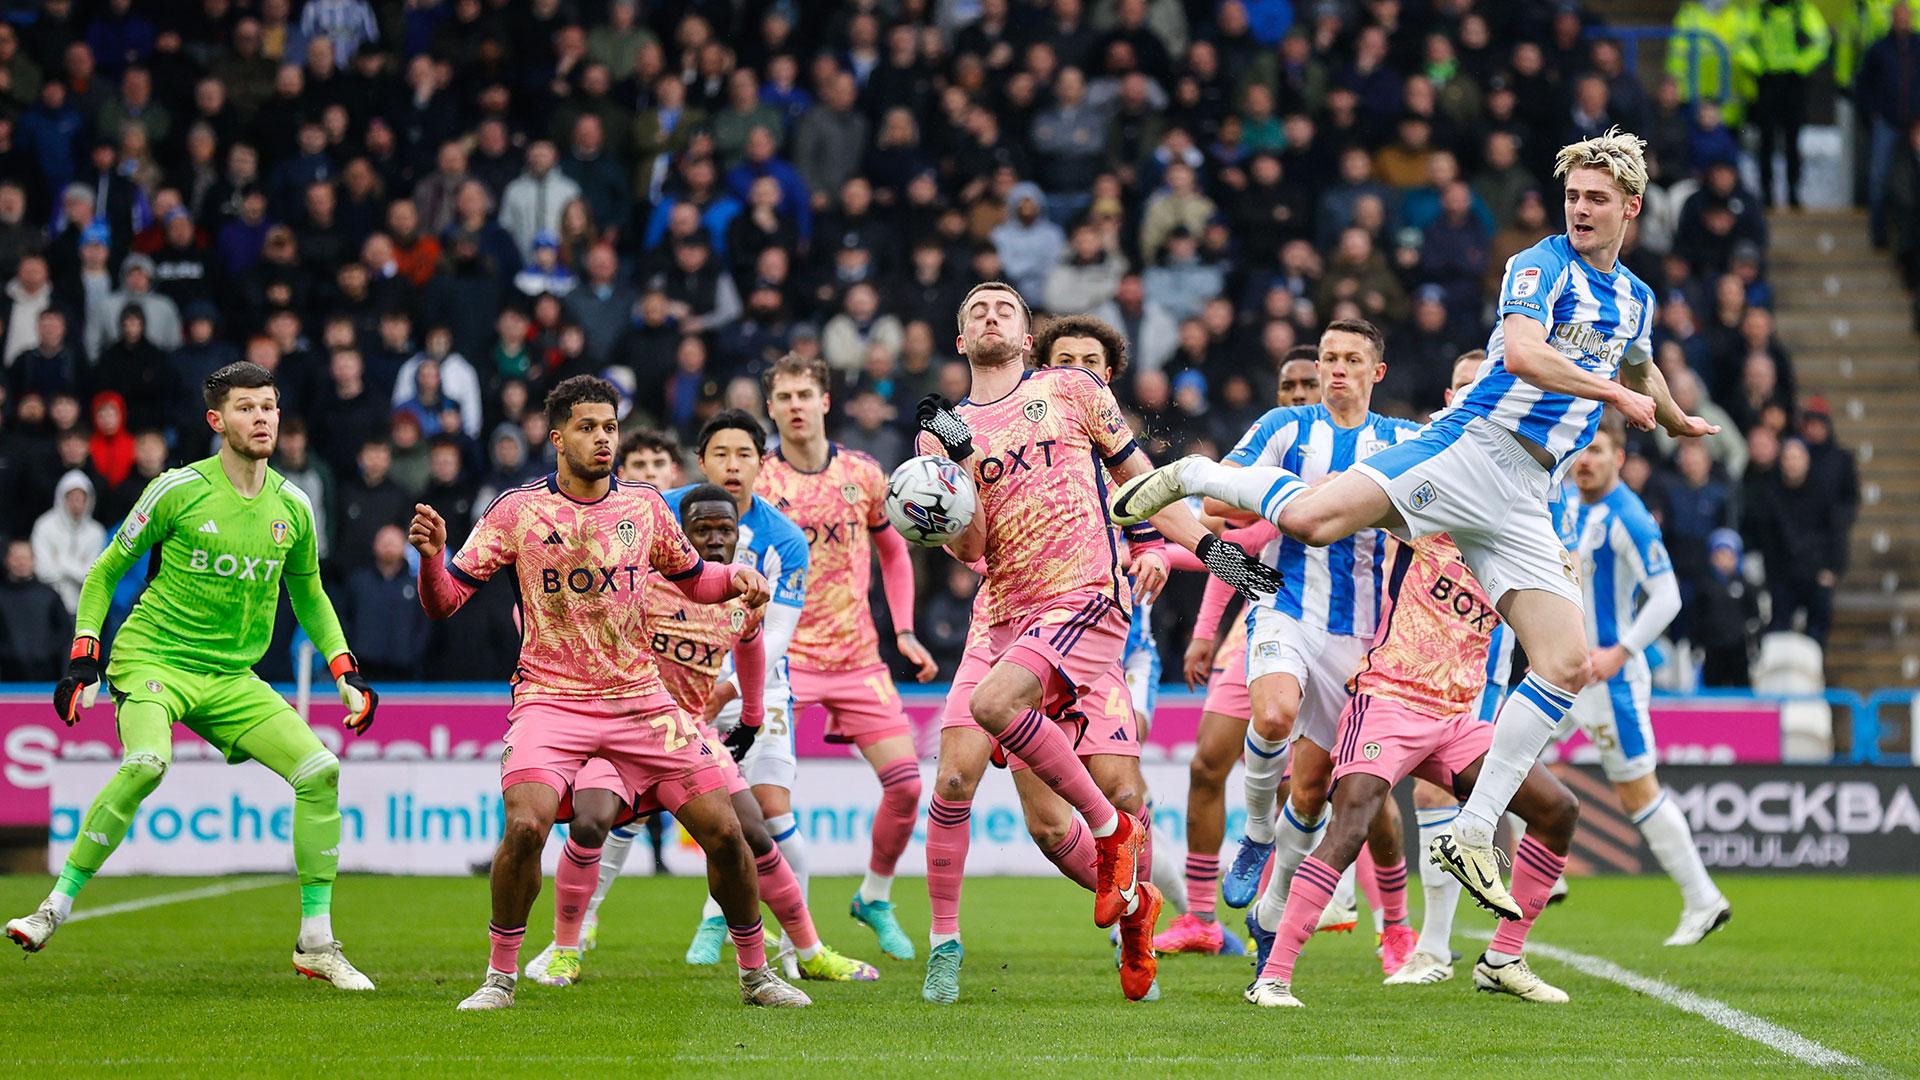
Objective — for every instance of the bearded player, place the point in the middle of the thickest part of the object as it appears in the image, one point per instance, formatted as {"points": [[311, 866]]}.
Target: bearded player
{"points": [[1571, 319], [581, 544], [691, 642], [838, 497], [230, 531], [1058, 601]]}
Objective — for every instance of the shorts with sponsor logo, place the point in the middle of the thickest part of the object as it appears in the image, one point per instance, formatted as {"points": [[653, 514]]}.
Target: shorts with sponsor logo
{"points": [[657, 754], [1615, 715], [1389, 739], [862, 705], [1227, 685], [1471, 478], [1279, 644]]}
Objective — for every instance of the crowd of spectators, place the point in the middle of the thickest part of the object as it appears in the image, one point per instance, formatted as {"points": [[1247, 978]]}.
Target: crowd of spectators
{"points": [[421, 215]]}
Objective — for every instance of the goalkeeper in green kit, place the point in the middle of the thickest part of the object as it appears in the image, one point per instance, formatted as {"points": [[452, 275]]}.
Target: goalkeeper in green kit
{"points": [[228, 531]]}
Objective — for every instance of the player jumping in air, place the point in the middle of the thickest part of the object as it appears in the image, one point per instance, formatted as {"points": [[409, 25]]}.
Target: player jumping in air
{"points": [[838, 497], [1412, 713], [1058, 601], [229, 532], [582, 544], [1571, 317], [691, 642], [1623, 562]]}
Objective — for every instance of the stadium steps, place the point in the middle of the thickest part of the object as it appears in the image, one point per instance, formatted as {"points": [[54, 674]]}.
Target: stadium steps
{"points": [[1843, 314]]}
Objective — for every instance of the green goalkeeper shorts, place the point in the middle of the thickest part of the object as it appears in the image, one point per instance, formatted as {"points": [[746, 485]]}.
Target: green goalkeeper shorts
{"points": [[218, 708]]}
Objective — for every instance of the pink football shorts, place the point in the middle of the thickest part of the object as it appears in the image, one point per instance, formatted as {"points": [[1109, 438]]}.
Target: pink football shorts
{"points": [[645, 749], [1227, 685], [1386, 738], [862, 705]]}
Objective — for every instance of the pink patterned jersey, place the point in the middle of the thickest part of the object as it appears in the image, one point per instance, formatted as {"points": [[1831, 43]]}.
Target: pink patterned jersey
{"points": [[1430, 651], [690, 641], [837, 508], [583, 571], [1037, 463]]}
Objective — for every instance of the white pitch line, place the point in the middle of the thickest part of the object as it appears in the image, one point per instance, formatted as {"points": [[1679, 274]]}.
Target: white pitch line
{"points": [[162, 899], [1746, 1025]]}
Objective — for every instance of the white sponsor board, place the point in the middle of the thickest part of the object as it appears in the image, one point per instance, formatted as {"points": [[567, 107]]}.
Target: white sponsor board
{"points": [[444, 817]]}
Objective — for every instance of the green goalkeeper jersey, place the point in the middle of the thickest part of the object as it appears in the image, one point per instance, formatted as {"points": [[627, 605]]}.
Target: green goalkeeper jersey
{"points": [[210, 602]]}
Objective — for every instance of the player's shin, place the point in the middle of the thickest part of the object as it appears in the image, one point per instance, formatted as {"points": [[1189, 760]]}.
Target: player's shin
{"points": [[1313, 885], [316, 843], [1074, 855], [1665, 828], [573, 886], [892, 825], [1259, 489], [1528, 721], [780, 889], [1203, 885], [145, 733], [1049, 753], [785, 830], [613, 859], [1439, 890], [948, 828], [1266, 761], [1535, 869]]}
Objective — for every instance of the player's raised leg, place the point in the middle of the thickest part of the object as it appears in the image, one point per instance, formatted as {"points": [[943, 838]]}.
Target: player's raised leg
{"points": [[1006, 705]]}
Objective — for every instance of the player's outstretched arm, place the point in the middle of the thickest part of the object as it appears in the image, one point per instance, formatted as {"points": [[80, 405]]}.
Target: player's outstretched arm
{"points": [[1251, 578], [1529, 357], [1646, 378]]}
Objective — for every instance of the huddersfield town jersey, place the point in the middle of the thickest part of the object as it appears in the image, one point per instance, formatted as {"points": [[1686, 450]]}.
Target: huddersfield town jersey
{"points": [[1618, 545], [1335, 588], [1597, 320], [769, 543]]}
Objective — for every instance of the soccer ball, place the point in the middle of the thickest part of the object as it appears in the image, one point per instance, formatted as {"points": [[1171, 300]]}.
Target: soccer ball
{"points": [[930, 500]]}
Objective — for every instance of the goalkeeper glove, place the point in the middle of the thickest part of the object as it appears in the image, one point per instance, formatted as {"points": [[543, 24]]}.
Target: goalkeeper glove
{"points": [[355, 694], [1252, 579], [77, 689], [936, 417]]}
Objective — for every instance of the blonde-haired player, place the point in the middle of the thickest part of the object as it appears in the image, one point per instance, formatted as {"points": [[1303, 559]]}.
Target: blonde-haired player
{"points": [[1571, 318]]}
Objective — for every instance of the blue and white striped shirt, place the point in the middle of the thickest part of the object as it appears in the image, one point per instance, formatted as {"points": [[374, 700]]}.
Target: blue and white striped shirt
{"points": [[1620, 551], [1337, 587], [1597, 320]]}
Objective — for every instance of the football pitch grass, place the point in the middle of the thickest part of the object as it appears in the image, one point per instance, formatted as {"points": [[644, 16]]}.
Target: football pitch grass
{"points": [[200, 984]]}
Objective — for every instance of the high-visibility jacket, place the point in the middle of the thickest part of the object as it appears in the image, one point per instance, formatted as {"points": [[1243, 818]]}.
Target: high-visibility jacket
{"points": [[1788, 38], [1871, 21], [1728, 23]]}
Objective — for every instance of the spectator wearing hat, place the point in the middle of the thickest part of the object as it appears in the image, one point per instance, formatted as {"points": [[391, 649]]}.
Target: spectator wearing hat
{"points": [[1726, 615]]}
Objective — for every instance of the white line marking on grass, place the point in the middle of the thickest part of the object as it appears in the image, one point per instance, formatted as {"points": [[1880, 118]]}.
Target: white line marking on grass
{"points": [[1745, 1025], [205, 892]]}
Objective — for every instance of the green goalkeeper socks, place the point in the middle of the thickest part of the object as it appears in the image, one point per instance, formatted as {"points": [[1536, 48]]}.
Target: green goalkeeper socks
{"points": [[72, 880], [316, 900]]}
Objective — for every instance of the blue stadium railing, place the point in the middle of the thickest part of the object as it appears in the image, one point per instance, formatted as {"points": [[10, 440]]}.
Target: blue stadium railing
{"points": [[1867, 718]]}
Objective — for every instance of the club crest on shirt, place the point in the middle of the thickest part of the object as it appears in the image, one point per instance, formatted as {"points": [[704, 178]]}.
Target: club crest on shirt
{"points": [[153, 686], [736, 619], [1423, 496], [280, 529], [1372, 447], [1035, 410], [1631, 309], [851, 493], [627, 531]]}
